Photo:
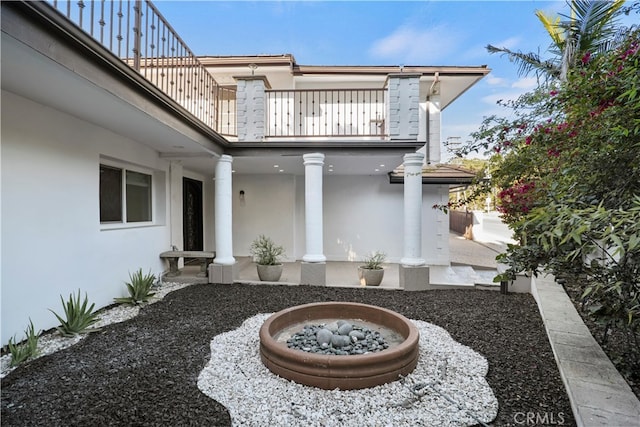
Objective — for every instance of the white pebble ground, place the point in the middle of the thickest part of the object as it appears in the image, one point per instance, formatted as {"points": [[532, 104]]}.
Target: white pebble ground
{"points": [[447, 388]]}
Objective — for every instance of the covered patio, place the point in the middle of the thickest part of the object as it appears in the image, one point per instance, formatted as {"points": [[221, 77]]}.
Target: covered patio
{"points": [[472, 264]]}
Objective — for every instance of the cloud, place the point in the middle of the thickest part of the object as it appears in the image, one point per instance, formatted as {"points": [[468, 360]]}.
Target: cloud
{"points": [[412, 46], [525, 83], [511, 43], [493, 98], [495, 81]]}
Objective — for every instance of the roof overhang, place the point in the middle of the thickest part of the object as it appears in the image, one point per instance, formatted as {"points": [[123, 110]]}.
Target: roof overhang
{"points": [[439, 174], [341, 157]]}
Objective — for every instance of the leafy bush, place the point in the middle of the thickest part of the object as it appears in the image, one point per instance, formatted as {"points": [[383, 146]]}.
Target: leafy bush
{"points": [[265, 251], [374, 261], [78, 318], [139, 288], [580, 219], [567, 164], [26, 350]]}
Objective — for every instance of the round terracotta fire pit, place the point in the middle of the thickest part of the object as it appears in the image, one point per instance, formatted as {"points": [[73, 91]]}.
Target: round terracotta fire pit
{"points": [[346, 372]]}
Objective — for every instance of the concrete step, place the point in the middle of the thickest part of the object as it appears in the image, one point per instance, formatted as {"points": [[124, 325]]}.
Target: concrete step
{"points": [[460, 276], [485, 279]]}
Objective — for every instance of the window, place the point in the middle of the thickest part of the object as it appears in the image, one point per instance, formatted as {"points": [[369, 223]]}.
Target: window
{"points": [[133, 200], [110, 194], [138, 197]]}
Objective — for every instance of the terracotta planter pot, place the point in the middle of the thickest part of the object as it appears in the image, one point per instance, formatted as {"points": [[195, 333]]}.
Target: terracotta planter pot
{"points": [[370, 277], [269, 273]]}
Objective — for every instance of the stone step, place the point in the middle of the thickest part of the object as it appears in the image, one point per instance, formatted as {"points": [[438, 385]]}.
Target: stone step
{"points": [[485, 278], [461, 276]]}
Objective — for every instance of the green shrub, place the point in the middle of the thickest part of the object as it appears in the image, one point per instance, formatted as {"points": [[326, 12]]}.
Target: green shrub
{"points": [[26, 350], [374, 261], [265, 251], [139, 288], [78, 318]]}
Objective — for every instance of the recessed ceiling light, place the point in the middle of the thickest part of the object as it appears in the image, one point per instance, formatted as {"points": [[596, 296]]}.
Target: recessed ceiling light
{"points": [[281, 170], [276, 166], [381, 166], [377, 170]]}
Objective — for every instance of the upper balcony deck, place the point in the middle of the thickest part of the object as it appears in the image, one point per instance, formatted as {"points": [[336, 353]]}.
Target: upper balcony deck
{"points": [[296, 102]]}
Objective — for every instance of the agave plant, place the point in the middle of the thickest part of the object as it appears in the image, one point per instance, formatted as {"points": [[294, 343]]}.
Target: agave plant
{"points": [[26, 350], [78, 318], [139, 287]]}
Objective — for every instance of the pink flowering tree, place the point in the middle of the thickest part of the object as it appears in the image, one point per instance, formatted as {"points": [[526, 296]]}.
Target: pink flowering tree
{"points": [[568, 167]]}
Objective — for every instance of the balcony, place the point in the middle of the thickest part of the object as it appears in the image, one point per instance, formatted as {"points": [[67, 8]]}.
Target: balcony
{"points": [[138, 35], [340, 113]]}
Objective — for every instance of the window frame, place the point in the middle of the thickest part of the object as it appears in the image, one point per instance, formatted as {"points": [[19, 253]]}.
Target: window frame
{"points": [[124, 168]]}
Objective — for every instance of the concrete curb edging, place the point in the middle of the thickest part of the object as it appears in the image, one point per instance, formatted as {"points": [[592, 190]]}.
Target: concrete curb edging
{"points": [[598, 394]]}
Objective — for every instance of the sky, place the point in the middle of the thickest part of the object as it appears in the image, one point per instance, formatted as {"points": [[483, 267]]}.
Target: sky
{"points": [[379, 33]]}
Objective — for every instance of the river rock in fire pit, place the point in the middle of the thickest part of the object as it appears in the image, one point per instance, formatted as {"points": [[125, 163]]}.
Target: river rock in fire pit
{"points": [[345, 328], [356, 336], [323, 336], [339, 338], [340, 341]]}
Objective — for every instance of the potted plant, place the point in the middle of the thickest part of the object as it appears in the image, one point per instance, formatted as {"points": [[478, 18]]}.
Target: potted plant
{"points": [[267, 255], [372, 272]]}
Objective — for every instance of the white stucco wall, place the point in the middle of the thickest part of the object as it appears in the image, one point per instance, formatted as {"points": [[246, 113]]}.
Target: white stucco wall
{"points": [[361, 214], [267, 208], [52, 240]]}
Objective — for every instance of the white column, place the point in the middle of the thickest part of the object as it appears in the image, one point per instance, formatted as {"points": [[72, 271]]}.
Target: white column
{"points": [[435, 122], [176, 208], [413, 210], [223, 212], [313, 163]]}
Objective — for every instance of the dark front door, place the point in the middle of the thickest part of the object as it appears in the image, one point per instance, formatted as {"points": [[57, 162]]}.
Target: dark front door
{"points": [[192, 214]]}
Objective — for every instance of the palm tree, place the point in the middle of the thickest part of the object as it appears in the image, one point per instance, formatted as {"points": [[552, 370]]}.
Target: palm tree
{"points": [[591, 29]]}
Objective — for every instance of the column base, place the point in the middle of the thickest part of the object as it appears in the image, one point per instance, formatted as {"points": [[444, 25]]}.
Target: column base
{"points": [[413, 262], [313, 273], [314, 258], [414, 278], [228, 260], [224, 274]]}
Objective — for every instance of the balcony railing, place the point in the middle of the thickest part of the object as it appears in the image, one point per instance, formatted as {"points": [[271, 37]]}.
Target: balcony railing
{"points": [[326, 113], [137, 33]]}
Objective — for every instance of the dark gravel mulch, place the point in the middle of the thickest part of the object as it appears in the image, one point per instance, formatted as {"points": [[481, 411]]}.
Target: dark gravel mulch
{"points": [[144, 371]]}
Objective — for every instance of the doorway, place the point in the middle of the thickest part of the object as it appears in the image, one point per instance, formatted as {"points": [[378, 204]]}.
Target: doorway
{"points": [[192, 218]]}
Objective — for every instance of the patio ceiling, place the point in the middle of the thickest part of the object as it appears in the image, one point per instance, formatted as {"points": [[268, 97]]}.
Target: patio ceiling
{"points": [[334, 164]]}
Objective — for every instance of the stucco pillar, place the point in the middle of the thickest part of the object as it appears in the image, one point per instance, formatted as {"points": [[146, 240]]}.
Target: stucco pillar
{"points": [[313, 207], [413, 210], [223, 212], [403, 108], [176, 202], [250, 107], [313, 268]]}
